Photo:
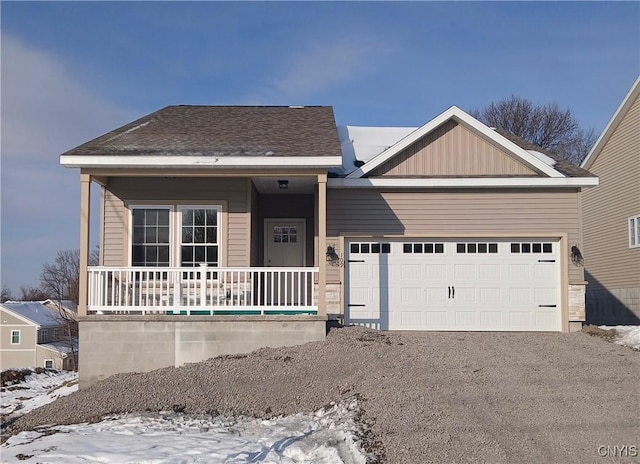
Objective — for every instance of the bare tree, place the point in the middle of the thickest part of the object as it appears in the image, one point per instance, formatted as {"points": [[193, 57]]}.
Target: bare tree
{"points": [[547, 126], [28, 293], [6, 294], [61, 281]]}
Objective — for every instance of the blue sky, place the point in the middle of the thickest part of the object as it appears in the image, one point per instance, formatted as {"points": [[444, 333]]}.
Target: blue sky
{"points": [[74, 70]]}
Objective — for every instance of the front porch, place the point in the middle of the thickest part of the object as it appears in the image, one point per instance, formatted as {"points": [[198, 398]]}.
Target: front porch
{"points": [[202, 291]]}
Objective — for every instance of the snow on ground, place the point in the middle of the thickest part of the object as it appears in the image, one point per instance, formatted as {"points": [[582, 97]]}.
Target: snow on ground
{"points": [[326, 437], [627, 335], [37, 390], [329, 436]]}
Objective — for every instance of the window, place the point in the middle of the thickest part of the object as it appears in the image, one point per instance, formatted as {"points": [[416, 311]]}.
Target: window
{"points": [[15, 337], [56, 333], [48, 363], [634, 231], [367, 248], [43, 336], [199, 236], [476, 248], [150, 245], [287, 234], [517, 248], [422, 248], [163, 236]]}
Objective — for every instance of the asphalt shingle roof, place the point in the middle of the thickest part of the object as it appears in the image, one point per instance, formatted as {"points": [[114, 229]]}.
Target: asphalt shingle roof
{"points": [[565, 167], [223, 131]]}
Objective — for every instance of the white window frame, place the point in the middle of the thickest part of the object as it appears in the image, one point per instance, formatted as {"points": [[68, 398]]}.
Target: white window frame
{"points": [[13, 332], [53, 366], [175, 228], [178, 230], [633, 229]]}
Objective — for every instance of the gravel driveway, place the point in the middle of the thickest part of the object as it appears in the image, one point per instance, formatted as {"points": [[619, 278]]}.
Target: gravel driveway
{"points": [[425, 397]]}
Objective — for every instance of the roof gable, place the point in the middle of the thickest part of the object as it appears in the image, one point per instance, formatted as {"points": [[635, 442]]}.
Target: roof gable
{"points": [[33, 312], [616, 119], [452, 150], [534, 163]]}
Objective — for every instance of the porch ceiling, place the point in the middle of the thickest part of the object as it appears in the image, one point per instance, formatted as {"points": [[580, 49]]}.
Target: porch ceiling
{"points": [[295, 185]]}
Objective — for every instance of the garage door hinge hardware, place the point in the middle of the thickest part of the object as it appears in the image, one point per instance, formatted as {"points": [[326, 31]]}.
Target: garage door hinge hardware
{"points": [[546, 306], [452, 292], [546, 260], [359, 305], [356, 261]]}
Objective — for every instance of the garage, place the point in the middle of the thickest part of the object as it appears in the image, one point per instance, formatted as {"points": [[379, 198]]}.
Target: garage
{"points": [[453, 285]]}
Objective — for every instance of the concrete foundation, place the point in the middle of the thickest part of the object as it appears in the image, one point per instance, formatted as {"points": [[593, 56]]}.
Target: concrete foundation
{"points": [[115, 344]]}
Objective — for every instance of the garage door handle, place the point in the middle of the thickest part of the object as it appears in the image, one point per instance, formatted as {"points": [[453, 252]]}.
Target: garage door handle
{"points": [[449, 293], [546, 260], [356, 261], [547, 306], [453, 292]]}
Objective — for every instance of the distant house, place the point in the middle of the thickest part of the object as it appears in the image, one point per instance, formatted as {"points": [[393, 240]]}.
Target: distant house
{"points": [[611, 219], [224, 229], [33, 335]]}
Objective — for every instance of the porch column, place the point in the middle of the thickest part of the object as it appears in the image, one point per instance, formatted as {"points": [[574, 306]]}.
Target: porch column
{"points": [[322, 244], [85, 210]]}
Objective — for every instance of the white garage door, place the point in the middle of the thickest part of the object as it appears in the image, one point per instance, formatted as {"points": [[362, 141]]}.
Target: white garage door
{"points": [[491, 285]]}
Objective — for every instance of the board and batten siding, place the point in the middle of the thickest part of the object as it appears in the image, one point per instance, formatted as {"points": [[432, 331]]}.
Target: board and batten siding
{"points": [[123, 191], [607, 207], [427, 213], [453, 150]]}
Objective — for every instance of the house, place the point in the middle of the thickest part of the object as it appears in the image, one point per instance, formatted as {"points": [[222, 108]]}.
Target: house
{"points": [[225, 229], [33, 335], [611, 219]]}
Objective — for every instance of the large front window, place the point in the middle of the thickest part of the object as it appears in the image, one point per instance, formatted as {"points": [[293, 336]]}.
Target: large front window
{"points": [[175, 236]]}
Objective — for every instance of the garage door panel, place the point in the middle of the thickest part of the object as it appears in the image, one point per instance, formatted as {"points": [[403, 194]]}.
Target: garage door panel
{"points": [[489, 271], [489, 320], [520, 296], [490, 295], [519, 272], [435, 271], [411, 295], [464, 271]]}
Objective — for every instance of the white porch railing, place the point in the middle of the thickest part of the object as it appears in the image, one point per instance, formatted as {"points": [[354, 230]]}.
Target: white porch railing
{"points": [[202, 290]]}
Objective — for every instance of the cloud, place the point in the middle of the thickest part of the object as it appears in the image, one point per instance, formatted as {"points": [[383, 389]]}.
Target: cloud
{"points": [[46, 110], [320, 66]]}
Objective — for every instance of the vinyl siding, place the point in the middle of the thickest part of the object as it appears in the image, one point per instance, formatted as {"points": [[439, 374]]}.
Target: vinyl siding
{"points": [[455, 212], [607, 207], [124, 191], [453, 150]]}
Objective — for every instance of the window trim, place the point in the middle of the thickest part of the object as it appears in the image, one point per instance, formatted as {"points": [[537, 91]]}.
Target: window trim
{"points": [[18, 332], [636, 219], [53, 365], [175, 223]]}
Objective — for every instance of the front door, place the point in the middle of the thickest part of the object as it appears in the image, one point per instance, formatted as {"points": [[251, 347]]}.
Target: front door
{"points": [[285, 242], [285, 247]]}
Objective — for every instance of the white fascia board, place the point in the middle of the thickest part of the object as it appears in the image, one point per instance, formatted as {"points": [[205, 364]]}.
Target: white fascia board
{"points": [[101, 161], [455, 113], [611, 126], [463, 182]]}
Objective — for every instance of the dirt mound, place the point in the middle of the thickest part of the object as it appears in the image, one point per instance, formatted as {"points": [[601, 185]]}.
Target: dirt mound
{"points": [[424, 397], [594, 330]]}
